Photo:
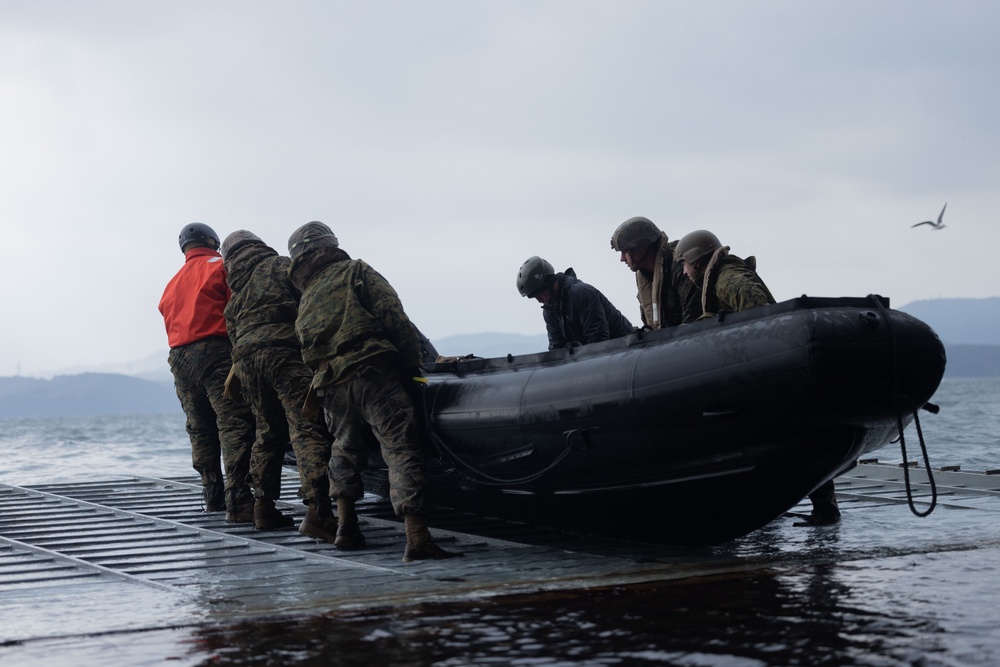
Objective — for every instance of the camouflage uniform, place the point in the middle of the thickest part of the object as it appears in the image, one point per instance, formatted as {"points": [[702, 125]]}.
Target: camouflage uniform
{"points": [[216, 426], [359, 341], [373, 396], [260, 318], [676, 298], [732, 285]]}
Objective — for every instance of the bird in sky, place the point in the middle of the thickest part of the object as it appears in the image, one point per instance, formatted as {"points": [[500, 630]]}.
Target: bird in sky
{"points": [[934, 225]]}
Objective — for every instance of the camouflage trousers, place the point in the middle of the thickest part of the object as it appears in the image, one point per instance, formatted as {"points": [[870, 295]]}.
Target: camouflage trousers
{"points": [[216, 426], [373, 397], [275, 382]]}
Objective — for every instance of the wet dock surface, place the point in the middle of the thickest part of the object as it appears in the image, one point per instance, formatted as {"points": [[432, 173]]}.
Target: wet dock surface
{"points": [[138, 553]]}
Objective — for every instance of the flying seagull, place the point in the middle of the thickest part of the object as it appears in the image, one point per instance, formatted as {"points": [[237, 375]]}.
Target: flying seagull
{"points": [[934, 225]]}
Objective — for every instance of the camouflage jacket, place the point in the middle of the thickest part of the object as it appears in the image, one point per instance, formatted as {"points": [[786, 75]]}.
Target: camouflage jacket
{"points": [[733, 285], [676, 297], [262, 310], [349, 313]]}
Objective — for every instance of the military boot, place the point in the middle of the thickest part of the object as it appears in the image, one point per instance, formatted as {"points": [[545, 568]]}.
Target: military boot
{"points": [[825, 510], [214, 496], [267, 517], [239, 508], [419, 544], [349, 535], [319, 521]]}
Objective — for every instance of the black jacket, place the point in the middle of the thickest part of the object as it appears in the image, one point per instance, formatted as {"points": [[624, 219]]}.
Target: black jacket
{"points": [[581, 314]]}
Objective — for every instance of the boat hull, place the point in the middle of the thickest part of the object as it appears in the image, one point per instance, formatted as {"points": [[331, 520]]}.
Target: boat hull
{"points": [[692, 435]]}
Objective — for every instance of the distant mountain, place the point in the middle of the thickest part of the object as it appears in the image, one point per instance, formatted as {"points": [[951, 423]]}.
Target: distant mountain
{"points": [[960, 321], [972, 361], [84, 394], [970, 329], [491, 345], [152, 367]]}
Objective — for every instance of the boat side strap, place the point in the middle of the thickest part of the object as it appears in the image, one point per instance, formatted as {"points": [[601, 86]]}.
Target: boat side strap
{"points": [[899, 422], [473, 474]]}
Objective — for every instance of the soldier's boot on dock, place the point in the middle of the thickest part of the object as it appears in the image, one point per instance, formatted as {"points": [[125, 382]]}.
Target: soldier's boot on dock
{"points": [[825, 510], [419, 544], [214, 496], [239, 506], [267, 517], [319, 521], [349, 535]]}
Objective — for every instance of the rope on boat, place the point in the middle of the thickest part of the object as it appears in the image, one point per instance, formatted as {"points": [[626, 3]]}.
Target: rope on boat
{"points": [[899, 422], [481, 477], [469, 471]]}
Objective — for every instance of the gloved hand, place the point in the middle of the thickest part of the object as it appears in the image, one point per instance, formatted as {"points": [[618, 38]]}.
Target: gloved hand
{"points": [[413, 374]]}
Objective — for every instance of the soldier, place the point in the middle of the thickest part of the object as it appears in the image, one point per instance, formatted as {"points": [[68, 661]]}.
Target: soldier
{"points": [[730, 284], [360, 343], [200, 359], [666, 297], [268, 367], [727, 284], [574, 312]]}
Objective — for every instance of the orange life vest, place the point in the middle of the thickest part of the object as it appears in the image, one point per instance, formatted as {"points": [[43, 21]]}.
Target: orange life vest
{"points": [[193, 302]]}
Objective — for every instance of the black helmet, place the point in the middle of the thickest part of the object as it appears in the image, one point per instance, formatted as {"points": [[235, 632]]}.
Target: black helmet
{"points": [[634, 234], [534, 276], [237, 240], [311, 235], [696, 245], [197, 232]]}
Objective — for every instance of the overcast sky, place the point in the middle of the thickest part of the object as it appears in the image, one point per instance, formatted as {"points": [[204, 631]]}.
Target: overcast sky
{"points": [[445, 142]]}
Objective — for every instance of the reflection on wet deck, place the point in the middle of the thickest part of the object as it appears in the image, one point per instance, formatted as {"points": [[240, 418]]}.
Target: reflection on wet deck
{"points": [[136, 553]]}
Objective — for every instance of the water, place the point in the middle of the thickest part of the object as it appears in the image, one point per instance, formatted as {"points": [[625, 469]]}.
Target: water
{"points": [[882, 588], [80, 448]]}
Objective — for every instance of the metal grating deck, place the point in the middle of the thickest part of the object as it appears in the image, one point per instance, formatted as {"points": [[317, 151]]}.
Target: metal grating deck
{"points": [[139, 552]]}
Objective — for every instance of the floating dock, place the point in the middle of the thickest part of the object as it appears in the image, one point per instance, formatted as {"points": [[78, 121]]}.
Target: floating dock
{"points": [[139, 552]]}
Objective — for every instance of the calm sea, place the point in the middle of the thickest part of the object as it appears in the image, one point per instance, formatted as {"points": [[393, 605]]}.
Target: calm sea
{"points": [[882, 588]]}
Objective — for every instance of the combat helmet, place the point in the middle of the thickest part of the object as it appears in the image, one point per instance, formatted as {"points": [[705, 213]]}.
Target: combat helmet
{"points": [[634, 234], [237, 240], [310, 236], [534, 276], [696, 245], [197, 232]]}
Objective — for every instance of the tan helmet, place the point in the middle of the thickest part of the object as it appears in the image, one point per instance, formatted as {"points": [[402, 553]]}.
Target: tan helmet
{"points": [[696, 245], [534, 276], [634, 234]]}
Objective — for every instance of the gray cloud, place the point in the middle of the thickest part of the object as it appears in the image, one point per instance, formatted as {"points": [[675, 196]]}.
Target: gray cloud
{"points": [[448, 141]]}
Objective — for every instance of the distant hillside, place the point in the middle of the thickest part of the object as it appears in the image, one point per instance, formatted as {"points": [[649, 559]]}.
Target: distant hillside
{"points": [[491, 345], [960, 321], [972, 361], [153, 367], [970, 329], [84, 394]]}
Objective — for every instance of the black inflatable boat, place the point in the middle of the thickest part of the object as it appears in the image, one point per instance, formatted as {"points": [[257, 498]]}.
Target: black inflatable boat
{"points": [[695, 434]]}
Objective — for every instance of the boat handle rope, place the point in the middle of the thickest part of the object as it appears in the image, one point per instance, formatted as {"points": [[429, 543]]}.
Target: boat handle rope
{"points": [[467, 469], [899, 422], [481, 477]]}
